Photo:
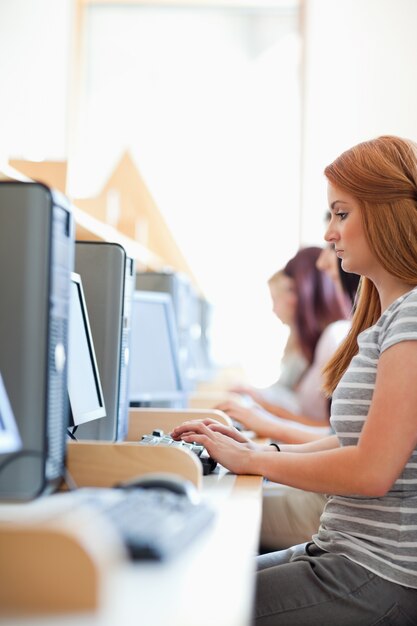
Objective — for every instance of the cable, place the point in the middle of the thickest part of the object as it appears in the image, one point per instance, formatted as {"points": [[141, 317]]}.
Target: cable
{"points": [[31, 453], [71, 433]]}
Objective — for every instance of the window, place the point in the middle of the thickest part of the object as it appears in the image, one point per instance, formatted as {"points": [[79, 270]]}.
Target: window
{"points": [[207, 101]]}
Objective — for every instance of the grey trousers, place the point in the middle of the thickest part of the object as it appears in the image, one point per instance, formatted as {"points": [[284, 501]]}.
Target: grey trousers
{"points": [[305, 586]]}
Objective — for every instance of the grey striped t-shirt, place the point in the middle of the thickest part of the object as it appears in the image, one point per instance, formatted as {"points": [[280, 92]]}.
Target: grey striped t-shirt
{"points": [[378, 533]]}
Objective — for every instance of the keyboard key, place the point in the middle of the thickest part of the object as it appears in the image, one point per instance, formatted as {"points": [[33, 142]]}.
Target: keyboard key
{"points": [[159, 438]]}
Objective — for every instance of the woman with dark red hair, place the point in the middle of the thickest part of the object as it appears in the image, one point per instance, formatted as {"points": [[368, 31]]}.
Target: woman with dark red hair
{"points": [[316, 306], [361, 566]]}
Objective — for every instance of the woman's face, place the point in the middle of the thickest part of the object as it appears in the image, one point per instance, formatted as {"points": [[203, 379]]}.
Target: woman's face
{"points": [[284, 299], [346, 232], [328, 263]]}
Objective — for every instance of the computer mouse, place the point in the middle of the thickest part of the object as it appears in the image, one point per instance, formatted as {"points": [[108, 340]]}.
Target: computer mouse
{"points": [[163, 480]]}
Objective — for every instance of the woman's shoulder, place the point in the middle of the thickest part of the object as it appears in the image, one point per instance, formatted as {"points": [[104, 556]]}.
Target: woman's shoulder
{"points": [[398, 322], [336, 331], [408, 299], [330, 339], [404, 306]]}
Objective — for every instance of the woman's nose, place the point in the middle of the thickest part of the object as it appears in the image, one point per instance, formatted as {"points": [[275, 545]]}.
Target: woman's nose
{"points": [[331, 234]]}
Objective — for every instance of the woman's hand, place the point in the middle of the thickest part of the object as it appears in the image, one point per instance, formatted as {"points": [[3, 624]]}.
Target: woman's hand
{"points": [[251, 392], [251, 419], [230, 431], [242, 389], [224, 444]]}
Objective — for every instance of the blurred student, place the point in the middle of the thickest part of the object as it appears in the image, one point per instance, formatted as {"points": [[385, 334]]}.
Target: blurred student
{"points": [[361, 565], [313, 335], [294, 362], [290, 515]]}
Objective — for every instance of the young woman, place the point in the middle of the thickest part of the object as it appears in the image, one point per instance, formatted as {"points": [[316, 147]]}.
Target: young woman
{"points": [[294, 362], [307, 301], [290, 515], [361, 566], [314, 281]]}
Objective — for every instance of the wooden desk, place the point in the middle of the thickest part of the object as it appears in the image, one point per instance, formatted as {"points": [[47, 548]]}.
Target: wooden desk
{"points": [[212, 583]]}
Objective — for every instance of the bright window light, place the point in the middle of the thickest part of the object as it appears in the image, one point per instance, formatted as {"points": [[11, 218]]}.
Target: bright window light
{"points": [[208, 103]]}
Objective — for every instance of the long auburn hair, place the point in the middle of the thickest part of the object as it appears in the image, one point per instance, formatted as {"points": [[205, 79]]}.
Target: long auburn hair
{"points": [[318, 303], [381, 175]]}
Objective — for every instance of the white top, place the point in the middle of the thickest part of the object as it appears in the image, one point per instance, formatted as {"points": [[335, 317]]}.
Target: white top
{"points": [[312, 401], [293, 366]]}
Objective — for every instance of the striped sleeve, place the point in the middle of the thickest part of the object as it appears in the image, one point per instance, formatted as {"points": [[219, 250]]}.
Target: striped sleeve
{"points": [[403, 325]]}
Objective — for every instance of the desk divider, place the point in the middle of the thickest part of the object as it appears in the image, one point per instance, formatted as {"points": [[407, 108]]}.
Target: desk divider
{"points": [[72, 552], [143, 421], [210, 399], [102, 464], [56, 562]]}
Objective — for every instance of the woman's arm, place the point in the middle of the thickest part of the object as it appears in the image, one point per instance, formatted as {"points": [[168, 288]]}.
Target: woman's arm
{"points": [[313, 445], [370, 468], [309, 393], [307, 442], [280, 411], [268, 426]]}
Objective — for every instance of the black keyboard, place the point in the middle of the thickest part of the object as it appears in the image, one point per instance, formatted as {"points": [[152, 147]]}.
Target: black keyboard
{"points": [[154, 524], [158, 437]]}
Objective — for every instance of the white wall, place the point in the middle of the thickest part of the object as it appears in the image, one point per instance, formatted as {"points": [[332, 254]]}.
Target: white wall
{"points": [[34, 68], [360, 83], [214, 129], [208, 104]]}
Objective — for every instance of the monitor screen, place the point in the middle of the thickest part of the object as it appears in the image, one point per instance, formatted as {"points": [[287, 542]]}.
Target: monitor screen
{"points": [[9, 434], [154, 358], [84, 386]]}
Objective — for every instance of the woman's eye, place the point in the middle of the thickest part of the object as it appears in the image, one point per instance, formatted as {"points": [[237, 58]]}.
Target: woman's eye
{"points": [[341, 215]]}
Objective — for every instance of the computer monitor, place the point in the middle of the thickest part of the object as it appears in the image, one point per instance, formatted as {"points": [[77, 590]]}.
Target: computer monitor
{"points": [[179, 286], [84, 386], [155, 375], [201, 364], [206, 312], [108, 277], [9, 434]]}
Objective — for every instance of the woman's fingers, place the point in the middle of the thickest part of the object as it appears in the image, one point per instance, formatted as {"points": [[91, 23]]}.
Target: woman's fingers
{"points": [[193, 426], [231, 432], [228, 405]]}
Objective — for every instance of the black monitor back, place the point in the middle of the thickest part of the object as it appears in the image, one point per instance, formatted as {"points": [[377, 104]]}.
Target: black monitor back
{"points": [[36, 258], [108, 277]]}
